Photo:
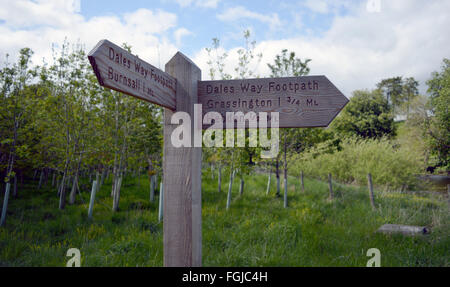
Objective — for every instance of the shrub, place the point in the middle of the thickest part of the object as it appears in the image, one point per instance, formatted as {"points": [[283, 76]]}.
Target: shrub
{"points": [[389, 163]]}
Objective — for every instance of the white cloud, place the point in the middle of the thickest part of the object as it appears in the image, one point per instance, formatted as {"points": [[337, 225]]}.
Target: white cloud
{"points": [[180, 33], [407, 38], [51, 21], [198, 3], [319, 6], [239, 12]]}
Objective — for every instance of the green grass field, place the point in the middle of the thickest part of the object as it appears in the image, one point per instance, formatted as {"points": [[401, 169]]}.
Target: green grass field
{"points": [[255, 231]]}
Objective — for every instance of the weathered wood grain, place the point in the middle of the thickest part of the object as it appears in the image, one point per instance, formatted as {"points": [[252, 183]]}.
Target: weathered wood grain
{"points": [[309, 101], [182, 174], [403, 229], [117, 69]]}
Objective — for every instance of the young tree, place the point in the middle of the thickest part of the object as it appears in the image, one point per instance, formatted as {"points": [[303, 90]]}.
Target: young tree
{"points": [[287, 65], [367, 115]]}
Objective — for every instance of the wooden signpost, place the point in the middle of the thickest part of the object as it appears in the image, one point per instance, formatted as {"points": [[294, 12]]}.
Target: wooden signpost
{"points": [[311, 101]]}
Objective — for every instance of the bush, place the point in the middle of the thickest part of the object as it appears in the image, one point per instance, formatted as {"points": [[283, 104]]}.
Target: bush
{"points": [[390, 164]]}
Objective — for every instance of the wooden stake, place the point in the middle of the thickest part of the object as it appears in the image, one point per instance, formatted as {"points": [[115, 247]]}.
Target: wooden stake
{"points": [[91, 202], [330, 186], [182, 173], [369, 182], [241, 188], [161, 202], [302, 182]]}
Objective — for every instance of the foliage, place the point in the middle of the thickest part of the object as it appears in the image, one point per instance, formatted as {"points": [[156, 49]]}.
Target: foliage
{"points": [[390, 164], [438, 126], [367, 115], [256, 230]]}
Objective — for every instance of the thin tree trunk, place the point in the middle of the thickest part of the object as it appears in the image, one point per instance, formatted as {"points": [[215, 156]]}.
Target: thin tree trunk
{"points": [[41, 178], [102, 179], [53, 178], [91, 202], [5, 205], [62, 191], [230, 185], [73, 191], [117, 195], [15, 186]]}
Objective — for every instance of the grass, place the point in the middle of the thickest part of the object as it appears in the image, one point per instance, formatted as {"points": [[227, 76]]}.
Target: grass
{"points": [[255, 231]]}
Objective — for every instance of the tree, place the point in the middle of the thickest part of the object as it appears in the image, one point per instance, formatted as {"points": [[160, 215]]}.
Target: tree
{"points": [[367, 115], [438, 125], [284, 66], [13, 113], [393, 89], [410, 91]]}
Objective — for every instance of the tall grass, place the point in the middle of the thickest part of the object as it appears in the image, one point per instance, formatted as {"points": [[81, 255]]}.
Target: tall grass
{"points": [[255, 231], [389, 163]]}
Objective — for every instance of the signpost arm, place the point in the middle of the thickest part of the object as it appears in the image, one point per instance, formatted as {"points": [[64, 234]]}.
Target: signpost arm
{"points": [[182, 174]]}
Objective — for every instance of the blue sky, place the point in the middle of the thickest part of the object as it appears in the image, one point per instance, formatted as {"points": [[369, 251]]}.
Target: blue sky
{"points": [[204, 22], [354, 43]]}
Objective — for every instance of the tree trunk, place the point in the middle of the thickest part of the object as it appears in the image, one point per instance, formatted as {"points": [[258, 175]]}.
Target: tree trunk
{"points": [[62, 192], [117, 195], [91, 202], [73, 190], [230, 185], [15, 186], [269, 179], [53, 178], [102, 179], [5, 205], [41, 178]]}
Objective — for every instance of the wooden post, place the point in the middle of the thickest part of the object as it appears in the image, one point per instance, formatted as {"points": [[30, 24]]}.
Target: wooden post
{"points": [[330, 186], [91, 202], [268, 180], [182, 173], [161, 201], [369, 182], [448, 193], [285, 173], [5, 204], [220, 178], [152, 187], [302, 181]]}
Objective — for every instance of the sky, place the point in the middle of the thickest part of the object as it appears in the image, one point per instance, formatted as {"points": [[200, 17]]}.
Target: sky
{"points": [[354, 43]]}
